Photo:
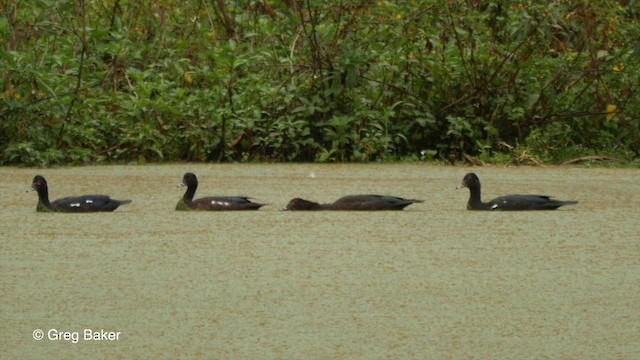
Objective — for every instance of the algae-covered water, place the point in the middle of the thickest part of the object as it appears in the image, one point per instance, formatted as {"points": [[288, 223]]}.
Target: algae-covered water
{"points": [[432, 281]]}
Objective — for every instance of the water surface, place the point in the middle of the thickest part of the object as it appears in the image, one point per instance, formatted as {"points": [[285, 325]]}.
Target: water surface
{"points": [[432, 281]]}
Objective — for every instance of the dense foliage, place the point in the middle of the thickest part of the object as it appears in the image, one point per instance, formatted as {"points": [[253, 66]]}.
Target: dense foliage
{"points": [[88, 81]]}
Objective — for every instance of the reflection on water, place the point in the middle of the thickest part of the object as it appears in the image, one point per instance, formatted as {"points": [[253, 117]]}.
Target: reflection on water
{"points": [[432, 279]]}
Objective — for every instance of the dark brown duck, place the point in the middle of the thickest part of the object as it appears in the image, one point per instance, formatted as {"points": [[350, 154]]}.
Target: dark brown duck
{"points": [[355, 203]]}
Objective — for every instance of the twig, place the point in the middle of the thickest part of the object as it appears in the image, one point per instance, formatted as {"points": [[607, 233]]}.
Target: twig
{"points": [[590, 158], [474, 161]]}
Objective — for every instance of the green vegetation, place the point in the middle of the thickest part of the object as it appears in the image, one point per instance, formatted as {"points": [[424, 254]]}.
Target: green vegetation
{"points": [[317, 80]]}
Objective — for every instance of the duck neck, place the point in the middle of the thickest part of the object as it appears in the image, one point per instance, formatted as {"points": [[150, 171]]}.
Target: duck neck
{"points": [[318, 206], [474, 199], [43, 199], [190, 193]]}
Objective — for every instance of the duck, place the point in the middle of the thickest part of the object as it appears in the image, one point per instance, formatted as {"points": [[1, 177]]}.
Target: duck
{"points": [[508, 202], [72, 204], [354, 202], [212, 203]]}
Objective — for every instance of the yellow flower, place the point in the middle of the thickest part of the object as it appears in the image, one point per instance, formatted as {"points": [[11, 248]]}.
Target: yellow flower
{"points": [[398, 16], [17, 96], [618, 67], [611, 111], [188, 76]]}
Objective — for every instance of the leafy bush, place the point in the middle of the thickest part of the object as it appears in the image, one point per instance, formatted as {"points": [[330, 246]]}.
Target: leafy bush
{"points": [[117, 81]]}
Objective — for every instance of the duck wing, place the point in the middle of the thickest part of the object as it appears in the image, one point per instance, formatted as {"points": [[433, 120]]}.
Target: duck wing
{"points": [[372, 202], [221, 203], [526, 202], [87, 203]]}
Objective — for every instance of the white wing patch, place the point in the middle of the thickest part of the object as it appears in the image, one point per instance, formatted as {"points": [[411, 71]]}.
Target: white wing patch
{"points": [[223, 203], [89, 201], [75, 205], [494, 206]]}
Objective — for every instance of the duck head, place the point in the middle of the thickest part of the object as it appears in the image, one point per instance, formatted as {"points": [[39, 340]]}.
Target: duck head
{"points": [[39, 183], [301, 204], [189, 179], [470, 181]]}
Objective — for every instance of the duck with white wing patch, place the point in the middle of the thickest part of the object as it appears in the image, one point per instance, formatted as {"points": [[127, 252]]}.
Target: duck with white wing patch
{"points": [[212, 203], [72, 204]]}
